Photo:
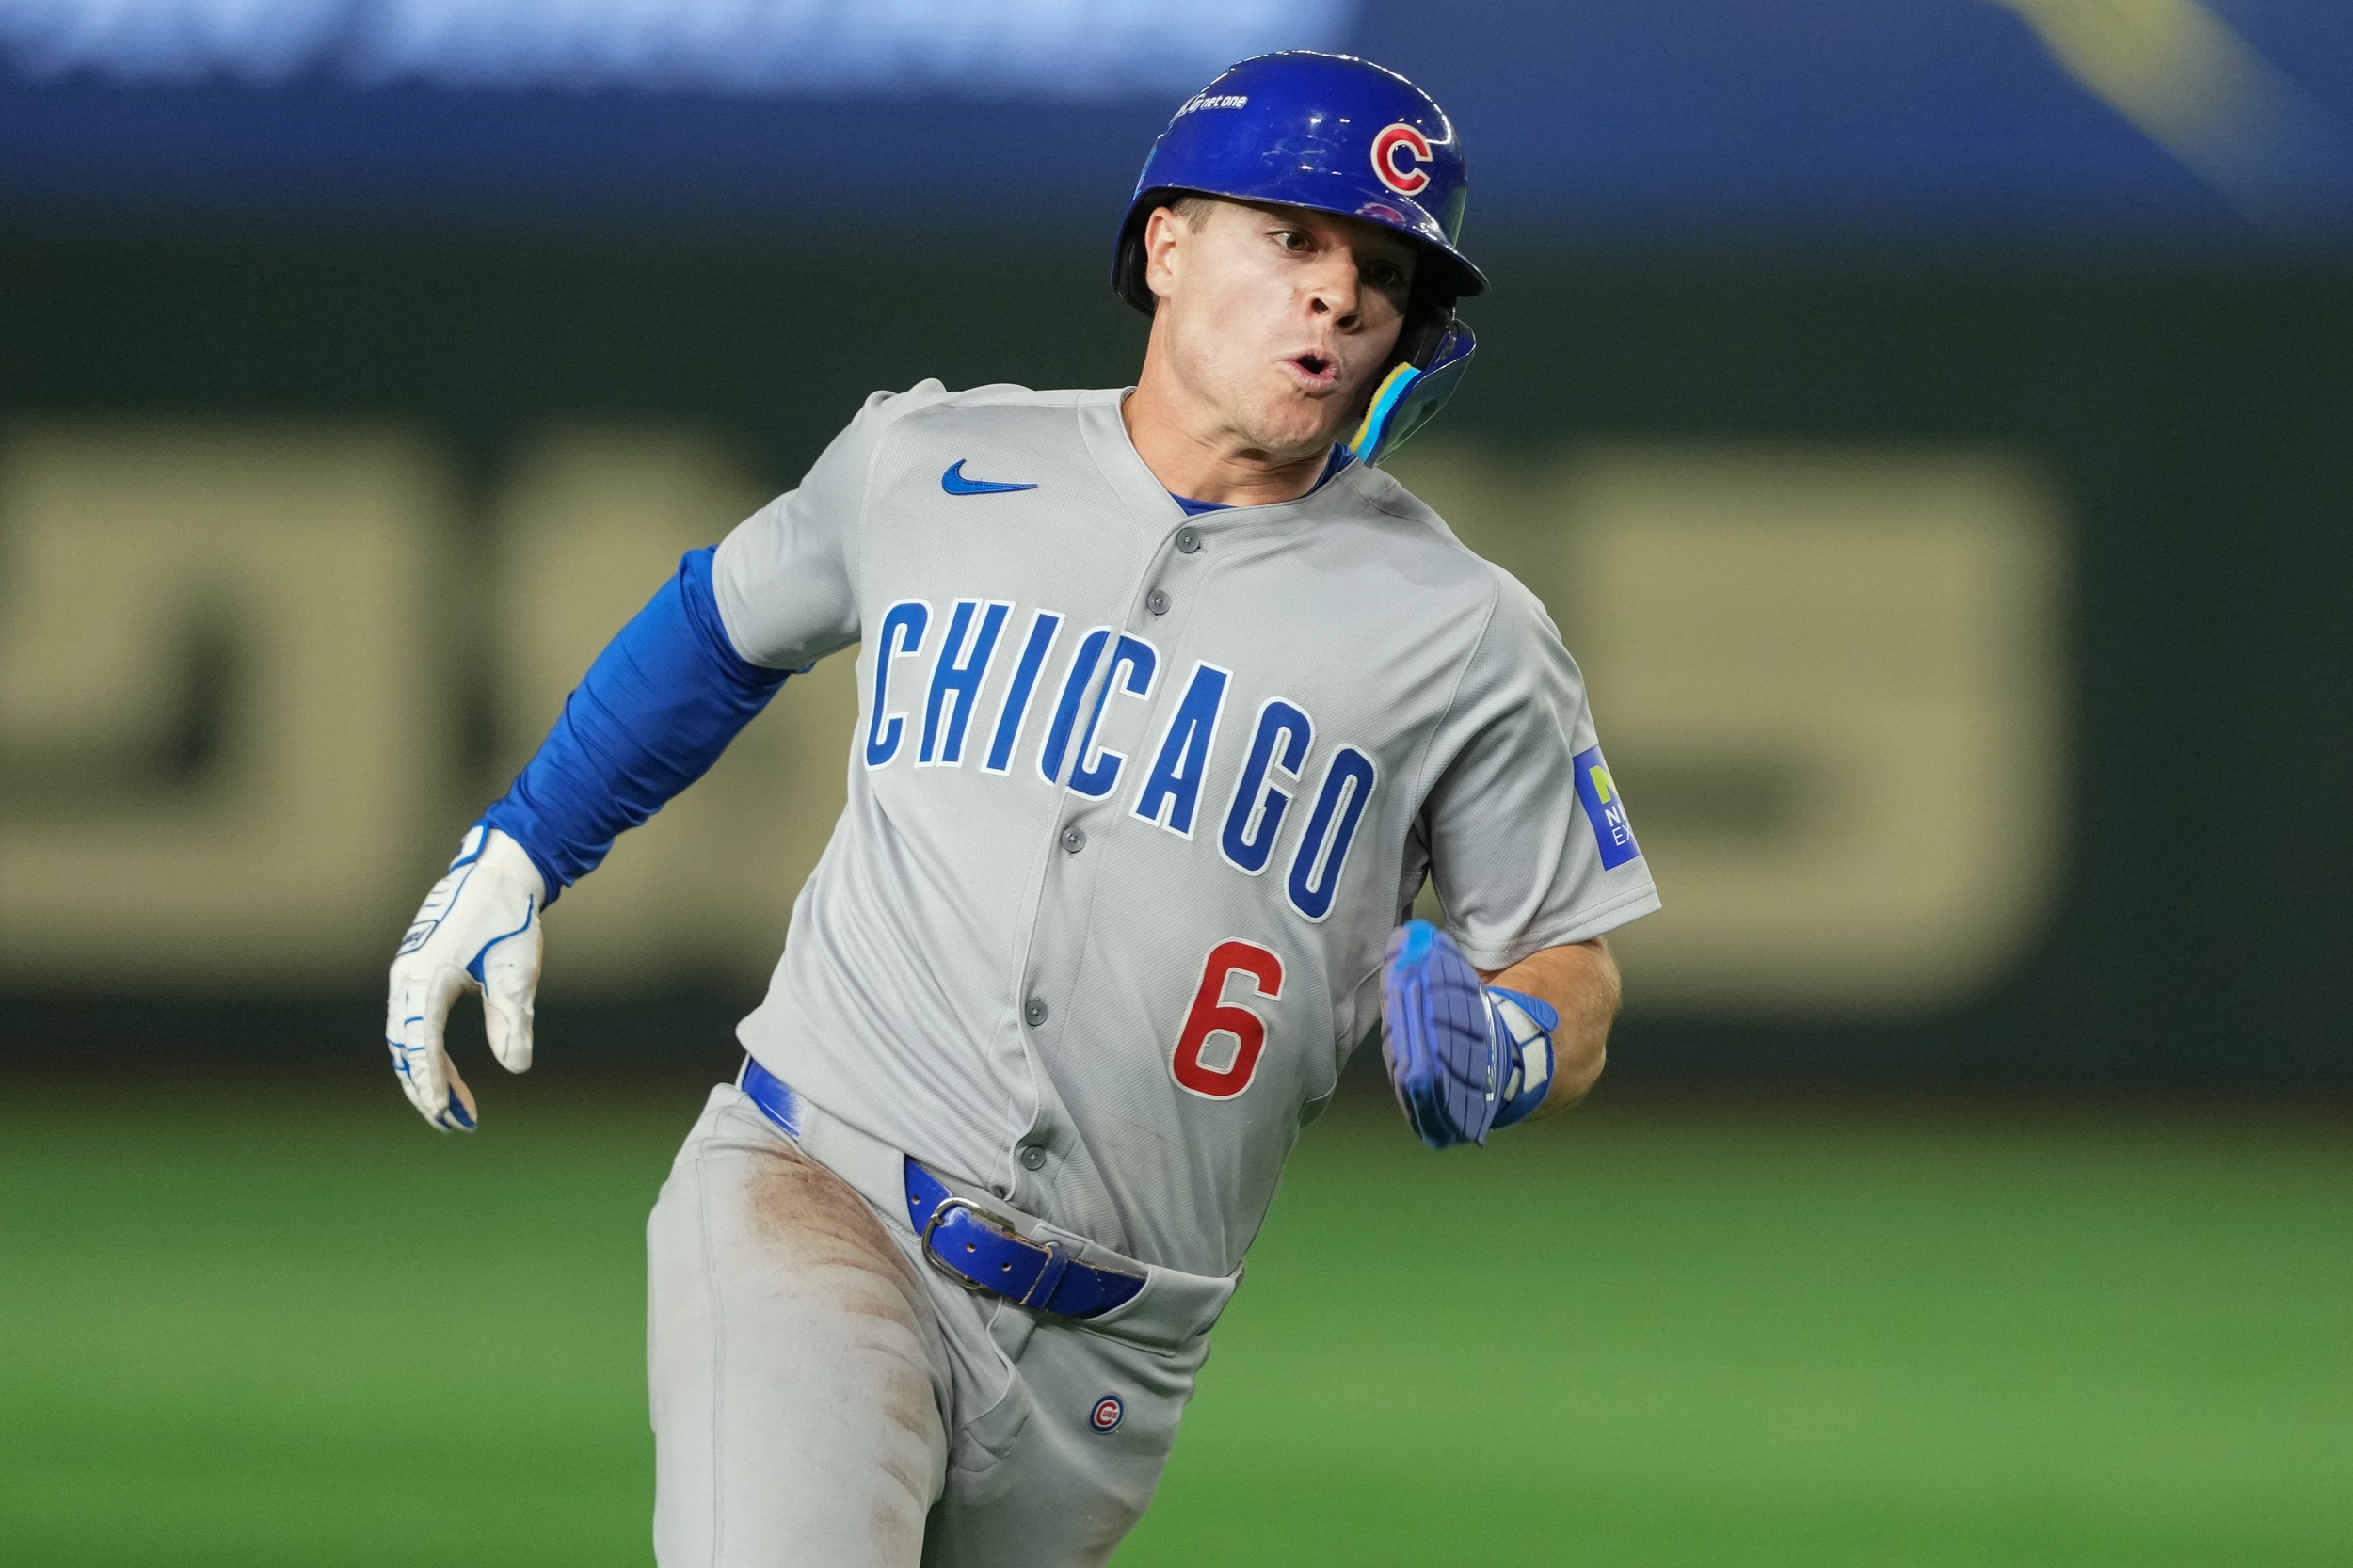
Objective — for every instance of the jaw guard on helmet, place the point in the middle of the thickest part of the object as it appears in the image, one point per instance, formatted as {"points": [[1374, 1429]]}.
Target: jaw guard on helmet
{"points": [[1343, 135], [1411, 393]]}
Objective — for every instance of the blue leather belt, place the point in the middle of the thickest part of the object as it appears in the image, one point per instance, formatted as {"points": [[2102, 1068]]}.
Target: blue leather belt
{"points": [[965, 1242]]}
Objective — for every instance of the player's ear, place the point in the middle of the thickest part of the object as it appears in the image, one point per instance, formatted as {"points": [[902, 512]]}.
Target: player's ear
{"points": [[1165, 234]]}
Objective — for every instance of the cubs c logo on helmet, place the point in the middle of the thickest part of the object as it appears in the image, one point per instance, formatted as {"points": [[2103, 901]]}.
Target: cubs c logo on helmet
{"points": [[1396, 142]]}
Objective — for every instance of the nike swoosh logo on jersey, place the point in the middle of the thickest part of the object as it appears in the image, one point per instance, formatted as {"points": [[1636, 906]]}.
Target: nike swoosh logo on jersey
{"points": [[954, 483]]}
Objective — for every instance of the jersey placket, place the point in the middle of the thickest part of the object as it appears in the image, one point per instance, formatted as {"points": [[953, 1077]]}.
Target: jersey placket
{"points": [[1087, 832]]}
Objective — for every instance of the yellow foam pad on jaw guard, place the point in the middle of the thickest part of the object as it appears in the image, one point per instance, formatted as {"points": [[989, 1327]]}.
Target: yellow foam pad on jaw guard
{"points": [[1384, 400]]}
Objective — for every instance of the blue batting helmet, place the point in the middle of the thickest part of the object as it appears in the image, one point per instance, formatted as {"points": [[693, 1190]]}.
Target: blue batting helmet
{"points": [[1338, 135]]}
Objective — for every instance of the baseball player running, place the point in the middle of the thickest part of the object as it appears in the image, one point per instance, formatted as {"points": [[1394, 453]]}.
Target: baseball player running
{"points": [[1170, 701]]}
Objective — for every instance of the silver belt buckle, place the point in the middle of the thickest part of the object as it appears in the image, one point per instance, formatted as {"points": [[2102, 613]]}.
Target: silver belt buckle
{"points": [[940, 1264]]}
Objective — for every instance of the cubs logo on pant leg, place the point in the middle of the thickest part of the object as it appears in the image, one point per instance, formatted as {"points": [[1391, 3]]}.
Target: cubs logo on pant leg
{"points": [[1108, 1414]]}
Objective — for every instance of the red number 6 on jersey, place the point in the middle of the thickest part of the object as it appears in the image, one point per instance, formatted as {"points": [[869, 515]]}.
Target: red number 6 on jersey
{"points": [[1212, 1016]]}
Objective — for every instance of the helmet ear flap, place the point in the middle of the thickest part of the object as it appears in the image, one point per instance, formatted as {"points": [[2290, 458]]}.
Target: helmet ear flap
{"points": [[1429, 311], [1425, 328]]}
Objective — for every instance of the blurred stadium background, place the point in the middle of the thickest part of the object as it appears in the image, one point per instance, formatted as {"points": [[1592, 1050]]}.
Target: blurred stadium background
{"points": [[1930, 420]]}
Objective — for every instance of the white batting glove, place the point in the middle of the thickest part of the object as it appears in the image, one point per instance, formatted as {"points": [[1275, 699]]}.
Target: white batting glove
{"points": [[478, 930]]}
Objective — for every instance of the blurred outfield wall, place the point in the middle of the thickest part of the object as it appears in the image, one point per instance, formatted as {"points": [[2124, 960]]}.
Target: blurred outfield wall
{"points": [[1969, 642]]}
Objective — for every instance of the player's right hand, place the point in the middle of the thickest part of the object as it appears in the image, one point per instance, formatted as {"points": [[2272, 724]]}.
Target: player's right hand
{"points": [[478, 930]]}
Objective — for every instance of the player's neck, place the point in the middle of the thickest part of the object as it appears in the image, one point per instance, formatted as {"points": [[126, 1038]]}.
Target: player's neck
{"points": [[1193, 453]]}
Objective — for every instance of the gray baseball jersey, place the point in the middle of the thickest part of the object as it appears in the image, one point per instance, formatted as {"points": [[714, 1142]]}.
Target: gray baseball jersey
{"points": [[1136, 798]]}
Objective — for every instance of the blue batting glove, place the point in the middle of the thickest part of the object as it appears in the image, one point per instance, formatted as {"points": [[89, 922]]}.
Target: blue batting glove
{"points": [[1463, 1058]]}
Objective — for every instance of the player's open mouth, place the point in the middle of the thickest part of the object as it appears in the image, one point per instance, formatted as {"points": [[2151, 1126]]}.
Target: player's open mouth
{"points": [[1320, 372]]}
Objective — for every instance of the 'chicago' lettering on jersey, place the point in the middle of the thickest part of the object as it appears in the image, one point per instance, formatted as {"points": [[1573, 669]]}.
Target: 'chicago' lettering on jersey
{"points": [[1173, 786], [957, 680], [902, 637], [1167, 786]]}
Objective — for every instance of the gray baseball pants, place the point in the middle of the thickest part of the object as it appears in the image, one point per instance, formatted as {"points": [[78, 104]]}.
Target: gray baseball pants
{"points": [[822, 1395]]}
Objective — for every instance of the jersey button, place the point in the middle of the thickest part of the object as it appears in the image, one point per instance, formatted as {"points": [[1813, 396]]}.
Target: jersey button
{"points": [[1034, 1011], [1187, 540], [1157, 601], [1032, 1157], [1074, 838]]}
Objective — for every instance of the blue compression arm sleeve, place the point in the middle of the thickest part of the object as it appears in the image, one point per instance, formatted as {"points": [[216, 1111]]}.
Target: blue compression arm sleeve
{"points": [[650, 716]]}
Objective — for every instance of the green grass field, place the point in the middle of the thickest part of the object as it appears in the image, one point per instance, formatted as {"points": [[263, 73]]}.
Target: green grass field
{"points": [[303, 1329]]}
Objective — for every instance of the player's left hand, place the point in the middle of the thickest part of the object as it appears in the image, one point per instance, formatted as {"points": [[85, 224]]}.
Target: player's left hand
{"points": [[1437, 1039], [478, 930], [1463, 1058]]}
